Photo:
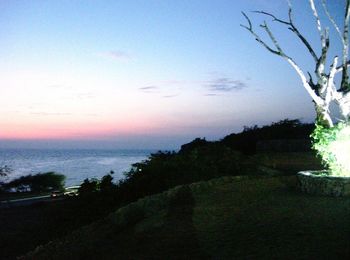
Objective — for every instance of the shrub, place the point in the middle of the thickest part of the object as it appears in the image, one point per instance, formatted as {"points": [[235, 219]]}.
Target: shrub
{"points": [[38, 183]]}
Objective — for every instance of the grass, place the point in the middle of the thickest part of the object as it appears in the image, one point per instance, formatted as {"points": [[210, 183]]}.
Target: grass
{"points": [[268, 218], [229, 217]]}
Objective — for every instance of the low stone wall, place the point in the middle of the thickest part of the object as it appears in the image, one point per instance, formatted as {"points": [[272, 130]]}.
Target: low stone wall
{"points": [[313, 182]]}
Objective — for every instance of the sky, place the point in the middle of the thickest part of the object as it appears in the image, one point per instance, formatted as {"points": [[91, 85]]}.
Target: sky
{"points": [[146, 73]]}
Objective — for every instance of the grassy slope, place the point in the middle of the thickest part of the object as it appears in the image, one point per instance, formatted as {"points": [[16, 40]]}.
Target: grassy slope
{"points": [[222, 218]]}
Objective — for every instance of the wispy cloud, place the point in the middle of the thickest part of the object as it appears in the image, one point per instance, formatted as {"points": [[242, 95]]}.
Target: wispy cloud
{"points": [[86, 95], [60, 87], [116, 55], [225, 85], [149, 89], [170, 96], [50, 114]]}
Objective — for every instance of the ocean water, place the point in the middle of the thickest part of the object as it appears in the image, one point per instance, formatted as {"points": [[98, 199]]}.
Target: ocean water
{"points": [[76, 165]]}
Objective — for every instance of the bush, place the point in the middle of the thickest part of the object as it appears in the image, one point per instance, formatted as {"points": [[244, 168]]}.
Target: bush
{"points": [[88, 187], [41, 182], [105, 186]]}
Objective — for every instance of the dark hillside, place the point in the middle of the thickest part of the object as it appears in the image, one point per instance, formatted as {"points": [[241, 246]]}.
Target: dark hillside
{"points": [[225, 218], [247, 140]]}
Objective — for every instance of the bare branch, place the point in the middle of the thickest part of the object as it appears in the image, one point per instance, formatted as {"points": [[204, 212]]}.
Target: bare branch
{"points": [[257, 37], [330, 82], [345, 77], [249, 22], [311, 81], [306, 85], [320, 65], [332, 20], [309, 88], [293, 29], [301, 37], [332, 74], [273, 39], [340, 68], [271, 15], [314, 11]]}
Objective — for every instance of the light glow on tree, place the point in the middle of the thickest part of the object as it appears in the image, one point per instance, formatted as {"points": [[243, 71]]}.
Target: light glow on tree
{"points": [[333, 145]]}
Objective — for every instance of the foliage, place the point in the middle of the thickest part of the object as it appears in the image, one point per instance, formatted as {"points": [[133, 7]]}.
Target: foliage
{"points": [[5, 170], [332, 145], [90, 187], [38, 183], [106, 184], [164, 170]]}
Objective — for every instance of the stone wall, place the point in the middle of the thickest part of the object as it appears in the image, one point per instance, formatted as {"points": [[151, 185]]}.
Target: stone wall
{"points": [[316, 183]]}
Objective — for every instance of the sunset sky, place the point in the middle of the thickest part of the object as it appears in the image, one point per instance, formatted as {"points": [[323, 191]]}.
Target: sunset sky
{"points": [[145, 74]]}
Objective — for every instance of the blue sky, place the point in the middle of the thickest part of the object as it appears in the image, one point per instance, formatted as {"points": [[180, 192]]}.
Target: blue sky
{"points": [[145, 74]]}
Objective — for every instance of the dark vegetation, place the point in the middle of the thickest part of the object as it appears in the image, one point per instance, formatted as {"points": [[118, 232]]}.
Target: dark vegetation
{"points": [[283, 130], [199, 160], [41, 182], [4, 170]]}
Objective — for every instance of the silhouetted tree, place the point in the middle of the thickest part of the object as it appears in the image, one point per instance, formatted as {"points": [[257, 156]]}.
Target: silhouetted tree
{"points": [[39, 182], [88, 187], [106, 184]]}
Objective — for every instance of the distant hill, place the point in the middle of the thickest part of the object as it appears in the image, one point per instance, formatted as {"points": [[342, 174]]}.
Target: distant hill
{"points": [[246, 141]]}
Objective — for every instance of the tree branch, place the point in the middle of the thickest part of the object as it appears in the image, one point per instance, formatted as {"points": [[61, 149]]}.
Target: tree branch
{"points": [[344, 85], [293, 29], [257, 37], [318, 100], [273, 39], [320, 65], [273, 16], [311, 81], [318, 22], [306, 85], [332, 20], [340, 68], [329, 89], [301, 37]]}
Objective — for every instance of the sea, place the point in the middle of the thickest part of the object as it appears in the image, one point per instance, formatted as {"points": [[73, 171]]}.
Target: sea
{"points": [[75, 164]]}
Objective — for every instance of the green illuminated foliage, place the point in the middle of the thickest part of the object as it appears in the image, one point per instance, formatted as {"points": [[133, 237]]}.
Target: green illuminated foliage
{"points": [[333, 146]]}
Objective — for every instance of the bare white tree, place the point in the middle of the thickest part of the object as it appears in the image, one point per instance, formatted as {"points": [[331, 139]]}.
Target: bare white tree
{"points": [[332, 102]]}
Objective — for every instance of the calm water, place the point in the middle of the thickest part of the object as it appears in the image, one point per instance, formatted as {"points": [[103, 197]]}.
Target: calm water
{"points": [[76, 165]]}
